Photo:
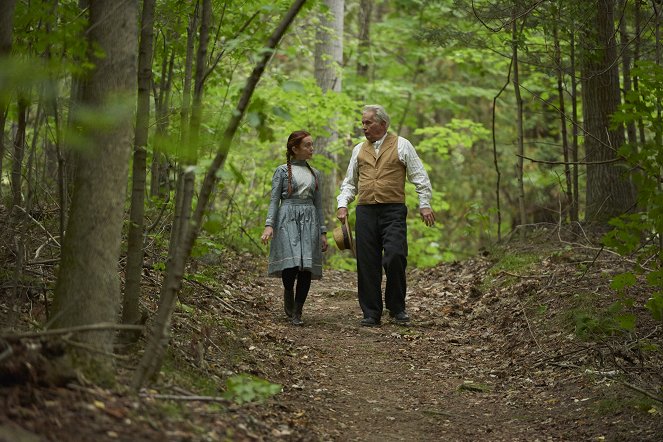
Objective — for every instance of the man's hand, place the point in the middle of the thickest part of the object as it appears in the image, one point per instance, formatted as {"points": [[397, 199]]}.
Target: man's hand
{"points": [[427, 216], [342, 213], [325, 244]]}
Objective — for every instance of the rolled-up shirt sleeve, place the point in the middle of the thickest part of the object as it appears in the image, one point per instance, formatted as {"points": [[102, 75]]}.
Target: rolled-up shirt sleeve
{"points": [[277, 189], [416, 173], [349, 184]]}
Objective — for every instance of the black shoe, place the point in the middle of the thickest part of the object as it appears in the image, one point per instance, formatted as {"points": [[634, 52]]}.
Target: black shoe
{"points": [[297, 315], [400, 317], [370, 322]]}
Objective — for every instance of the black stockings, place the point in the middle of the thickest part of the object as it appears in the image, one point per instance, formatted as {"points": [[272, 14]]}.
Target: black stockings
{"points": [[303, 278]]}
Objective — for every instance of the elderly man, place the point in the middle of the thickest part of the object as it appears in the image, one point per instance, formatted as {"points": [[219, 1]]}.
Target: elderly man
{"points": [[376, 176]]}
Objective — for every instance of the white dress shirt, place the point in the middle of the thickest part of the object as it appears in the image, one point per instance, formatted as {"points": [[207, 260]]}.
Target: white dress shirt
{"points": [[414, 168]]}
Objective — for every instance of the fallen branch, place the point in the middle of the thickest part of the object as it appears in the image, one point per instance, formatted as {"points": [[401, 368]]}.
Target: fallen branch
{"points": [[569, 353], [80, 328], [213, 292], [176, 397], [529, 327], [643, 391], [39, 224], [524, 276]]}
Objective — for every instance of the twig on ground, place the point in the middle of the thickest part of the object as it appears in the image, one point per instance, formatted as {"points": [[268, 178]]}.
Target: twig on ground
{"points": [[641, 390], [43, 262], [529, 327], [95, 350], [630, 345], [214, 294], [569, 353], [590, 265], [80, 328], [174, 397], [524, 276], [39, 224]]}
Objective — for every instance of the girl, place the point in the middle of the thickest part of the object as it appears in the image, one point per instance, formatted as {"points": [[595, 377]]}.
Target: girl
{"points": [[296, 224]]}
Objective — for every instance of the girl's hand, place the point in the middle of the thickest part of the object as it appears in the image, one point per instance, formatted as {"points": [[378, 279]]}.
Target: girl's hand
{"points": [[325, 245], [267, 234]]}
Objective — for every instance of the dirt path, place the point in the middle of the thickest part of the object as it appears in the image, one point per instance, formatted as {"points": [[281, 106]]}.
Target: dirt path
{"points": [[459, 372]]}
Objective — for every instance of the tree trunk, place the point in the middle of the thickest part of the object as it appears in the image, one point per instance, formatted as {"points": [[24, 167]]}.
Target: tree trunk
{"points": [[188, 177], [134, 268], [7, 8], [519, 125], [631, 131], [160, 183], [328, 70], [19, 151], [181, 213], [609, 190], [364, 39], [658, 130], [88, 287], [153, 356], [575, 206], [636, 59], [562, 122]]}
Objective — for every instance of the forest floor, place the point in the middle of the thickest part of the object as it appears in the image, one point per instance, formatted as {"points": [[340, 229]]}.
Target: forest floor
{"points": [[515, 345]]}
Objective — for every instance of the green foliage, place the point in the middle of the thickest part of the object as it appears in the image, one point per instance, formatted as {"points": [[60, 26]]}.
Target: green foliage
{"points": [[456, 135], [640, 233], [606, 322], [655, 303], [243, 388], [515, 262]]}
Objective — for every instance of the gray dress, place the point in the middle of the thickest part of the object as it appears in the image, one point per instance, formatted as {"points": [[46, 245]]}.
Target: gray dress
{"points": [[297, 221]]}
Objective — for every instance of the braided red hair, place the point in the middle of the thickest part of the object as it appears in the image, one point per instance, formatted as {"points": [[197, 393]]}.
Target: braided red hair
{"points": [[294, 140]]}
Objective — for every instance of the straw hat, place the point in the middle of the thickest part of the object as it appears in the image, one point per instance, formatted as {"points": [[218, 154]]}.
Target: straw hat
{"points": [[343, 237]]}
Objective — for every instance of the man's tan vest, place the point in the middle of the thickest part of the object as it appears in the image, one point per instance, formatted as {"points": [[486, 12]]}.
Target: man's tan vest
{"points": [[381, 175]]}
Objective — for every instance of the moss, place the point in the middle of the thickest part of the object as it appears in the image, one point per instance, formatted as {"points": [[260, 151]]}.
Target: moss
{"points": [[184, 374], [614, 404], [516, 262]]}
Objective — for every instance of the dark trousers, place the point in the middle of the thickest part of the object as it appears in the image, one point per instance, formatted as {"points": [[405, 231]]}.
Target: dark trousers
{"points": [[381, 242], [303, 278]]}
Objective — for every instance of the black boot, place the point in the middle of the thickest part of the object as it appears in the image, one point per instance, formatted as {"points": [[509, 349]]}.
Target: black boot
{"points": [[288, 302], [297, 317]]}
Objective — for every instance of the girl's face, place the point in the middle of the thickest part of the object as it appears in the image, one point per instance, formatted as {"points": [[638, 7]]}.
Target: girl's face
{"points": [[305, 149]]}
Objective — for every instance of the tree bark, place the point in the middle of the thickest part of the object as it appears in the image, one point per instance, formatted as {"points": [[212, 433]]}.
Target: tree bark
{"points": [[631, 131], [181, 212], [134, 268], [87, 290], [364, 39], [153, 356], [7, 8], [575, 206], [609, 190], [328, 70], [519, 124], [160, 184], [636, 59], [562, 122], [19, 151]]}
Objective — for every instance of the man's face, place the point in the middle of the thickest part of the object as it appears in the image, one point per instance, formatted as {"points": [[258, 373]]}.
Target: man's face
{"points": [[372, 127]]}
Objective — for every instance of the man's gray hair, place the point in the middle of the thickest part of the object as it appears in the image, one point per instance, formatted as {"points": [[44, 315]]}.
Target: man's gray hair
{"points": [[380, 113]]}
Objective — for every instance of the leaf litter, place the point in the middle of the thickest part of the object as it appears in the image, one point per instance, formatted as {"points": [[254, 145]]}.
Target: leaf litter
{"points": [[490, 354]]}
